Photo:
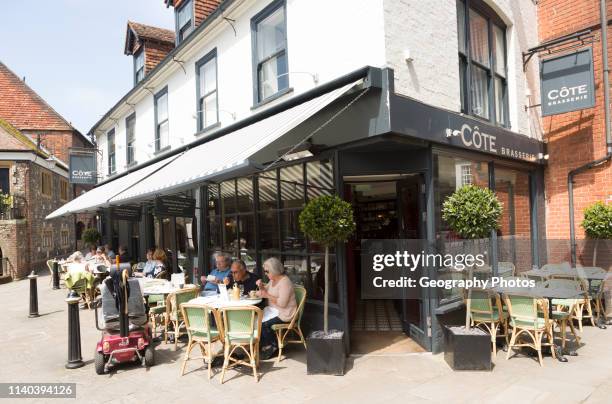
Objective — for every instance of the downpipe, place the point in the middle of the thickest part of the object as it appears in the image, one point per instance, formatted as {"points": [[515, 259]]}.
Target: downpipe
{"points": [[606, 159]]}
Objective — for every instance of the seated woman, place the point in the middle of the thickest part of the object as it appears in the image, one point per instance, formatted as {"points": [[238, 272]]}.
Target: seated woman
{"points": [[281, 303], [159, 261]]}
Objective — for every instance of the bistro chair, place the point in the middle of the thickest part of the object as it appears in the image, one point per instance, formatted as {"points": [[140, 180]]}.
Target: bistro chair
{"points": [[157, 309], [526, 322], [173, 315], [596, 297], [200, 332], [563, 315], [573, 282], [485, 314], [283, 330], [81, 288], [506, 269], [241, 331]]}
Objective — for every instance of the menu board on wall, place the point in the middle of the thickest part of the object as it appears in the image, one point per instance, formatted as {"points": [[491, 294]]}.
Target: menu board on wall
{"points": [[174, 206]]}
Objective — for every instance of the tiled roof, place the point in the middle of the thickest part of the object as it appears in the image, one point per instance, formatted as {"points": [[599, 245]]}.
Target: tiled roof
{"points": [[23, 108], [12, 139], [144, 32]]}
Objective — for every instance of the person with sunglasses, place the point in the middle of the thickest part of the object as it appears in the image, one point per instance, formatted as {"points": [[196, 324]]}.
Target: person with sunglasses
{"points": [[281, 304], [241, 277]]}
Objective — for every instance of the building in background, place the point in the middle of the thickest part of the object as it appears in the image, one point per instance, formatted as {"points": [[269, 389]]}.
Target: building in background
{"points": [[575, 138], [34, 149]]}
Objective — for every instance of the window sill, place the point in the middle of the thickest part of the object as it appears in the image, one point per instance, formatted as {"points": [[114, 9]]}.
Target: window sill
{"points": [[207, 129], [162, 150], [272, 98]]}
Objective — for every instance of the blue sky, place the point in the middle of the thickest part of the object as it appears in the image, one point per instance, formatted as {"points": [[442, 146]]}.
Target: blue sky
{"points": [[71, 51]]}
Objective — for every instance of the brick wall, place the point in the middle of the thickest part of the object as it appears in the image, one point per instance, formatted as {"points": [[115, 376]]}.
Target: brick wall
{"points": [[58, 142], [574, 138]]}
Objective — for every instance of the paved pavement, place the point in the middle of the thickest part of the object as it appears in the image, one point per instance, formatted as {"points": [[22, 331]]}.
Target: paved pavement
{"points": [[35, 350]]}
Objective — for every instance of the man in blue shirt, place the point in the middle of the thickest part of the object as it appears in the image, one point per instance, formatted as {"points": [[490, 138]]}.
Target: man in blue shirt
{"points": [[221, 272]]}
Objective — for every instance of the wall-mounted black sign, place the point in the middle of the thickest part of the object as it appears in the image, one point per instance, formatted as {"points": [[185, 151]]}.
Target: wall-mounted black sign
{"points": [[567, 83], [129, 213], [83, 168], [416, 119], [174, 206]]}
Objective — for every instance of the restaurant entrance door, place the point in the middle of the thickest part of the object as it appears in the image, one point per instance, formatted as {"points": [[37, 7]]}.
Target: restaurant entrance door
{"points": [[386, 207]]}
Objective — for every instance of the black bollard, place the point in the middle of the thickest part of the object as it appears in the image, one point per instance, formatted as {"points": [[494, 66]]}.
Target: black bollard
{"points": [[56, 275], [33, 295], [74, 334]]}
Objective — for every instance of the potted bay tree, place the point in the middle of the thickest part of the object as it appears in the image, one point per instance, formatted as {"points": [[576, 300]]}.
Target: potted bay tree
{"points": [[472, 212], [597, 224], [327, 220]]}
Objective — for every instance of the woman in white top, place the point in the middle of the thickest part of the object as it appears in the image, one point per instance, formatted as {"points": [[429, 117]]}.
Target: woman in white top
{"points": [[281, 302]]}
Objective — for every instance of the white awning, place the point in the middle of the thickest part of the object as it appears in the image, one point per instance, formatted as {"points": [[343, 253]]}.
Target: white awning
{"points": [[99, 196], [226, 154]]}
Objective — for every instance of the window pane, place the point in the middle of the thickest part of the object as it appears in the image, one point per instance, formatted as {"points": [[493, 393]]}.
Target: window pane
{"points": [[228, 197], [463, 82], [247, 232], [292, 186], [209, 109], [499, 51], [164, 135], [214, 232], [293, 238], [208, 77], [479, 38], [162, 108], [268, 79], [267, 190], [500, 101], [245, 195], [269, 230], [5, 187], [140, 61], [214, 207], [271, 34], [461, 25], [184, 14], [319, 174], [230, 228], [480, 92], [317, 278]]}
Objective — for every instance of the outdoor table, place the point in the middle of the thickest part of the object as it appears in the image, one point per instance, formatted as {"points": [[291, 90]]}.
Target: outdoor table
{"points": [[217, 303], [549, 294]]}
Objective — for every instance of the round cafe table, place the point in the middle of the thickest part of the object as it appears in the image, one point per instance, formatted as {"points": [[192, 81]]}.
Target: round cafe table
{"points": [[217, 303]]}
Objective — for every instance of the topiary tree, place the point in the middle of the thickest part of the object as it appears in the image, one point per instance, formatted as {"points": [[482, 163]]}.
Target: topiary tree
{"points": [[472, 212], [597, 224], [327, 220], [91, 236]]}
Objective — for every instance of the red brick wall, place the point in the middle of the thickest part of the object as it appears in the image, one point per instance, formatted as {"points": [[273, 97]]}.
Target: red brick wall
{"points": [[58, 142], [578, 137]]}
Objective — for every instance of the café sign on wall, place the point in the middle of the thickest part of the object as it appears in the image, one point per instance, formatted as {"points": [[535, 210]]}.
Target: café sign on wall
{"points": [[83, 168], [567, 83]]}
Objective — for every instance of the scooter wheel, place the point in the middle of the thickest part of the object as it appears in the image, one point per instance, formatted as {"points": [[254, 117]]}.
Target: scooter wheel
{"points": [[149, 356], [100, 363]]}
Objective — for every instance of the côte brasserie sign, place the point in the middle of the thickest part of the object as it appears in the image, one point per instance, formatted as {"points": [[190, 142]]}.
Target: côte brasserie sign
{"points": [[567, 83]]}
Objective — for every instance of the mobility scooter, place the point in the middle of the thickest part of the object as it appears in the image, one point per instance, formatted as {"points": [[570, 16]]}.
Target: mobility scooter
{"points": [[126, 335]]}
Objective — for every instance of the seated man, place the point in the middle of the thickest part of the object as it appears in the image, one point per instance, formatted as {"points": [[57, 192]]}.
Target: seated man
{"points": [[123, 255], [240, 276], [221, 272]]}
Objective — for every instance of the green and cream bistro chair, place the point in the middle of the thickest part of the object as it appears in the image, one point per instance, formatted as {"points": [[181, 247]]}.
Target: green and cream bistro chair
{"points": [[284, 330], [486, 312], [564, 314], [241, 331], [528, 327], [201, 332], [173, 315]]}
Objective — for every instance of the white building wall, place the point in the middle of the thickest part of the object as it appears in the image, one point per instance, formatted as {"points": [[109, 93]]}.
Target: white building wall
{"points": [[429, 33], [330, 39], [326, 39]]}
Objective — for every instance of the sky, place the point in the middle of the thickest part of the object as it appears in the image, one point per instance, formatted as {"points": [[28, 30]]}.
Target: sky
{"points": [[71, 51]]}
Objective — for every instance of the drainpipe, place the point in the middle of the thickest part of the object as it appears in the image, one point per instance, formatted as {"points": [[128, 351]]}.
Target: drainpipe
{"points": [[608, 156]]}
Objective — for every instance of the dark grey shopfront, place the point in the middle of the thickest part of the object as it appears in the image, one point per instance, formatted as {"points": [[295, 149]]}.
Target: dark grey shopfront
{"points": [[395, 159]]}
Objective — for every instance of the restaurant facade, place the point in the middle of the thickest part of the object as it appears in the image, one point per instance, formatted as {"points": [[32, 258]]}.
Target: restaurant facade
{"points": [[393, 153]]}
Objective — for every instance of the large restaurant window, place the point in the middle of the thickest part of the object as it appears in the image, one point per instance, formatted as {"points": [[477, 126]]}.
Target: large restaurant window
{"points": [[269, 42], [162, 133], [110, 140], [272, 201], [206, 83], [482, 62]]}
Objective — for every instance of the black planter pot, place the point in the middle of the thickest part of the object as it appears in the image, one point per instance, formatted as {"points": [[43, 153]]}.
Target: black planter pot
{"points": [[467, 351], [326, 353]]}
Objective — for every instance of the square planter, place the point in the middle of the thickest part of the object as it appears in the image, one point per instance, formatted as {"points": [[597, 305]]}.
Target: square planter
{"points": [[467, 349], [326, 353]]}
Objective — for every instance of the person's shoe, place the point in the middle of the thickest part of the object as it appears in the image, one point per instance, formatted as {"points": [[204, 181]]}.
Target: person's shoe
{"points": [[268, 353]]}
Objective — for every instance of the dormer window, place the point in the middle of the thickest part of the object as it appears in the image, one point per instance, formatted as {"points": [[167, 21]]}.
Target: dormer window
{"points": [[184, 21], [139, 70]]}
